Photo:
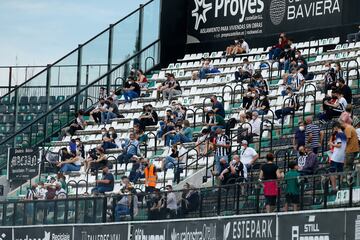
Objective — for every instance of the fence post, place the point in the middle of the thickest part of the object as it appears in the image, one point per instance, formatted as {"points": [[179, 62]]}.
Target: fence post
{"points": [[10, 78], [302, 194], [16, 106], [139, 36], [47, 94], [351, 193], [78, 77], [257, 202], [109, 60], [219, 201], [238, 188], [326, 193]]}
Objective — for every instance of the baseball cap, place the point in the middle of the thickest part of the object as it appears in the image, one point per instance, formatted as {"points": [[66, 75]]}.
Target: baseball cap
{"points": [[244, 142]]}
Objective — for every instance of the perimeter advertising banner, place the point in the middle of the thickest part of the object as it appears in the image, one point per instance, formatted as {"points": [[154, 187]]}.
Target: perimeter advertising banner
{"points": [[6, 234], [210, 20], [43, 233], [101, 232]]}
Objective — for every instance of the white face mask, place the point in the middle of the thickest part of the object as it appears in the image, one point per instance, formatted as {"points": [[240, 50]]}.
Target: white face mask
{"points": [[262, 98], [301, 128], [242, 148], [337, 84], [103, 133], [296, 55], [282, 60], [289, 94], [254, 117], [233, 162], [111, 132]]}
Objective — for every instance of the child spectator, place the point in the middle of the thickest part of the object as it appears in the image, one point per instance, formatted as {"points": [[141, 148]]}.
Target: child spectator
{"points": [[292, 187]]}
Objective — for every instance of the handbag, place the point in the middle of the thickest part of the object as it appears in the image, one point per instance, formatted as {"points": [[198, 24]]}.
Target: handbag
{"points": [[271, 189]]}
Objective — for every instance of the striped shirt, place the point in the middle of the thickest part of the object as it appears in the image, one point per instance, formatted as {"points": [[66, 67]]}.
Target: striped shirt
{"points": [[315, 131], [342, 105], [222, 151], [297, 79], [294, 101]]}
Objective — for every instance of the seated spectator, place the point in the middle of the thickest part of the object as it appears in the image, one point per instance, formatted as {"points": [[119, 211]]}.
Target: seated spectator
{"points": [[179, 111], [105, 184], [189, 200], [131, 90], [334, 107], [171, 161], [207, 68], [245, 71], [215, 121], [248, 155], [338, 71], [170, 88], [299, 137], [202, 142], [234, 173], [276, 50], [222, 145], [297, 80], [137, 169], [239, 47], [223, 165], [354, 37], [171, 202], [329, 77], [112, 95], [60, 178], [217, 106], [255, 123], [140, 134], [261, 105], [71, 165], [307, 161], [130, 148], [96, 113], [298, 60], [249, 96], [79, 124], [291, 104], [108, 140], [96, 160], [292, 187], [260, 83], [179, 135], [109, 113], [339, 154], [270, 173], [64, 156], [141, 79], [149, 117], [303, 69], [128, 202], [286, 57], [345, 90], [60, 193]]}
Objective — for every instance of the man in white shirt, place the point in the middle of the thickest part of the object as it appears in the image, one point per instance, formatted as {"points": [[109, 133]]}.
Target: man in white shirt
{"points": [[171, 202], [245, 71], [255, 123], [248, 155]]}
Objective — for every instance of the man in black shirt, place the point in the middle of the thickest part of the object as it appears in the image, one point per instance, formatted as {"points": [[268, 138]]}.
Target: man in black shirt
{"points": [[233, 173], [170, 88], [109, 113], [291, 104], [131, 89], [345, 90]]}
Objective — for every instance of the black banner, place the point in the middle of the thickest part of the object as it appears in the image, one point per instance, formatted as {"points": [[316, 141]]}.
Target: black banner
{"points": [[353, 225], [5, 233], [321, 226], [105, 232], [210, 20], [23, 163], [43, 233], [150, 230]]}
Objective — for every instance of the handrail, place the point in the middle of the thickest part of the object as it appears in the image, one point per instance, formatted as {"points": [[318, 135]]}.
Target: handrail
{"points": [[76, 49], [76, 94]]}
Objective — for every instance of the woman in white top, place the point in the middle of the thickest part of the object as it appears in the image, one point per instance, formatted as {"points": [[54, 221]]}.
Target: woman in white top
{"points": [[71, 165]]}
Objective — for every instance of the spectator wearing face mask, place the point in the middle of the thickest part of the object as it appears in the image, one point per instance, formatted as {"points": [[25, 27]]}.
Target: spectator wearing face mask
{"points": [[130, 148], [314, 135], [297, 80], [71, 165], [307, 161], [217, 106], [222, 144], [233, 173], [131, 89], [291, 104], [338, 71], [141, 79], [149, 117], [285, 58], [96, 113], [299, 137], [240, 46], [276, 50], [245, 71], [260, 83], [345, 90], [262, 105], [215, 121], [109, 139], [102, 93], [150, 176], [333, 107], [255, 123], [249, 96], [111, 112], [329, 77], [105, 184], [248, 155]]}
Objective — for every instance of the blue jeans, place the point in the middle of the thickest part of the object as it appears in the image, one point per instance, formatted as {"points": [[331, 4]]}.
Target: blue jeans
{"points": [[274, 53], [69, 167], [203, 72], [173, 139], [213, 128], [121, 210], [108, 145], [280, 113], [261, 112], [107, 116], [287, 66], [170, 163], [129, 95], [102, 189], [217, 162]]}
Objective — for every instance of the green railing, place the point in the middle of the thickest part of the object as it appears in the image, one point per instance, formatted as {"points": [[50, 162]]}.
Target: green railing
{"points": [[49, 124], [111, 47]]}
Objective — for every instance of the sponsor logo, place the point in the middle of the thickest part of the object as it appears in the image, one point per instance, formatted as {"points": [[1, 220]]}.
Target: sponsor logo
{"points": [[48, 236], [357, 228], [248, 229], [310, 229], [113, 236], [201, 8], [277, 11], [208, 232], [3, 236], [141, 235]]}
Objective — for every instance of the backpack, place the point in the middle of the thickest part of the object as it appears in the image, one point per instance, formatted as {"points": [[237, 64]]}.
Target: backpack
{"points": [[229, 125]]}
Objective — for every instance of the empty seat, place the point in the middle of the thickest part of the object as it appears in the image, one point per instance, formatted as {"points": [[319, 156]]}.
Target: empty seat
{"points": [[33, 100], [24, 100], [42, 100]]}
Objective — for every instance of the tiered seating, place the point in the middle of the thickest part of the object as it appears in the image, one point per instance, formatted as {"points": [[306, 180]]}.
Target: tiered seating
{"points": [[195, 96]]}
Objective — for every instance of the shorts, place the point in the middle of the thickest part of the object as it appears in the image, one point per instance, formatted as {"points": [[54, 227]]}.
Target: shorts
{"points": [[336, 167], [270, 200], [349, 161], [292, 198]]}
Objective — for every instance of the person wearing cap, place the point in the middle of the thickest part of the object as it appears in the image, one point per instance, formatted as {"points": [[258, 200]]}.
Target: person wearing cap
{"points": [[222, 144], [248, 155], [105, 184], [131, 89]]}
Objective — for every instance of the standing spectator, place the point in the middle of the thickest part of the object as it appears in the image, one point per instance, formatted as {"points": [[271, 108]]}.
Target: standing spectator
{"points": [[248, 155], [345, 90], [255, 123], [170, 87], [270, 173], [292, 187], [190, 200], [217, 106], [292, 104], [346, 116], [131, 89], [299, 137], [141, 79], [352, 145], [339, 154], [171, 202], [245, 71], [329, 77], [234, 173], [96, 113], [128, 201], [150, 176], [222, 144], [111, 112], [105, 184], [309, 163], [297, 80], [130, 148], [313, 135]]}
